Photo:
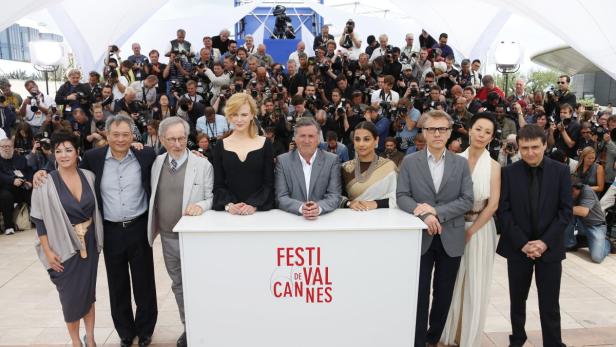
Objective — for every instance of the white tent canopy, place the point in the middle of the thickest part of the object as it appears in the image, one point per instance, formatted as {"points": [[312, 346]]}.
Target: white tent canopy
{"points": [[473, 26]]}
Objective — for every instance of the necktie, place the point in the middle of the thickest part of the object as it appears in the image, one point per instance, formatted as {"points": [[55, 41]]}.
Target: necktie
{"points": [[174, 166], [534, 201]]}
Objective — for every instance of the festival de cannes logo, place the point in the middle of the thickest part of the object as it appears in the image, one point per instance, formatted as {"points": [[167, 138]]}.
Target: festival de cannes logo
{"points": [[300, 275]]}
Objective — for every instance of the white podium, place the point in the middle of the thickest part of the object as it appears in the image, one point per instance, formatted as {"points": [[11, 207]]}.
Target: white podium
{"points": [[274, 279]]}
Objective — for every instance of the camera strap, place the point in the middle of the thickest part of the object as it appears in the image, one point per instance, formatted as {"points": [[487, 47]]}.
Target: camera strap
{"points": [[211, 129]]}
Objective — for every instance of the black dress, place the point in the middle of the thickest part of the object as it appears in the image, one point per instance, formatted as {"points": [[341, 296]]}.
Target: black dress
{"points": [[77, 283], [250, 181]]}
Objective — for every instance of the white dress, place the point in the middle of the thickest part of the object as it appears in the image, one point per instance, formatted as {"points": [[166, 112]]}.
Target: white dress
{"points": [[471, 294]]}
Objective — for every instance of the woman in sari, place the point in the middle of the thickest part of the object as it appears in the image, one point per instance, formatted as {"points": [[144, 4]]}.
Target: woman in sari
{"points": [[369, 180]]}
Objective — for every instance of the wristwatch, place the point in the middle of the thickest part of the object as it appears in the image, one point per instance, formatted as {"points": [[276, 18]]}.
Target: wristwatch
{"points": [[227, 206]]}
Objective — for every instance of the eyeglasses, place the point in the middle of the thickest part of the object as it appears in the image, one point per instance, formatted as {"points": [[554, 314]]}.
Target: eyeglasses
{"points": [[176, 139], [585, 132], [559, 82], [6, 146], [440, 130]]}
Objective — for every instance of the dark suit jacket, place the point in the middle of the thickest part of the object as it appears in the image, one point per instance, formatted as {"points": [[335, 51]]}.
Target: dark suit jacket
{"points": [[94, 160], [556, 208]]}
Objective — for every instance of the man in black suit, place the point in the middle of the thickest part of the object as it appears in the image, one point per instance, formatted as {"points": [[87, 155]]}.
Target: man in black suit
{"points": [[533, 223], [122, 187]]}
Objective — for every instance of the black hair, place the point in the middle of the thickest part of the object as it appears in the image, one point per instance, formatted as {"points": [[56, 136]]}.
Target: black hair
{"points": [[489, 116], [61, 136], [368, 126], [531, 132]]}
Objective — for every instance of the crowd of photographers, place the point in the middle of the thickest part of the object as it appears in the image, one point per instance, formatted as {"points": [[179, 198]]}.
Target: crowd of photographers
{"points": [[340, 86]]}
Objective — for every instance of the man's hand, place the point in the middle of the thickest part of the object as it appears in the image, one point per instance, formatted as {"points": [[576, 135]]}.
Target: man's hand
{"points": [[39, 178], [423, 209], [607, 137], [310, 210], [18, 182], [193, 210], [534, 249], [137, 146], [434, 227], [72, 96]]}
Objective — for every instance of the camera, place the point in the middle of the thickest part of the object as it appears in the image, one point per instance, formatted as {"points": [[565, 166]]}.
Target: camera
{"points": [[176, 86], [566, 121], [33, 102], [100, 125], [283, 28], [510, 148], [113, 49]]}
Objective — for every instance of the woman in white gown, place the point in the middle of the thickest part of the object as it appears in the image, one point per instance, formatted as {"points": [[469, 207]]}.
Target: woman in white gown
{"points": [[467, 313]]}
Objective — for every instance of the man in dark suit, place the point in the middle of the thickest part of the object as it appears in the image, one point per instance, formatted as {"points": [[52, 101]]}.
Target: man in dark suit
{"points": [[435, 185], [122, 188], [535, 209]]}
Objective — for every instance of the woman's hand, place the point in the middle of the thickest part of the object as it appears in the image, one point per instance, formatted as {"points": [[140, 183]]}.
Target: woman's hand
{"points": [[363, 205], [247, 210], [54, 261]]}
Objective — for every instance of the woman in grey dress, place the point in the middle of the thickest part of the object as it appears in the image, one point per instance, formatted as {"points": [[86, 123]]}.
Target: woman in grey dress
{"points": [[70, 235]]}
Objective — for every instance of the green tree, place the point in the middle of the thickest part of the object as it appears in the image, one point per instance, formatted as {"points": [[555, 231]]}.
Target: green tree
{"points": [[540, 80]]}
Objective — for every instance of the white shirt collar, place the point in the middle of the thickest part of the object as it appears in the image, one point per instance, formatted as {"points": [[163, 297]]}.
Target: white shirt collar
{"points": [[431, 157], [179, 161], [304, 162]]}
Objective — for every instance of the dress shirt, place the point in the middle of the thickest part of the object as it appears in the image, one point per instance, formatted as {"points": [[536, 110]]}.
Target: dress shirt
{"points": [[218, 128], [121, 188], [307, 169], [180, 161], [437, 168]]}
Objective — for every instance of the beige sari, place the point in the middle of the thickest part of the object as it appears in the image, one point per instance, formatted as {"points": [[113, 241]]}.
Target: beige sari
{"points": [[378, 182]]}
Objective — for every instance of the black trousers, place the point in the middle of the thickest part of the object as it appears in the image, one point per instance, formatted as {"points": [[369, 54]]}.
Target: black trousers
{"points": [[445, 272], [9, 195], [547, 278], [128, 255]]}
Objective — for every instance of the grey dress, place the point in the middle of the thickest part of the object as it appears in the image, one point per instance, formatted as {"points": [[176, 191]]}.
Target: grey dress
{"points": [[77, 283]]}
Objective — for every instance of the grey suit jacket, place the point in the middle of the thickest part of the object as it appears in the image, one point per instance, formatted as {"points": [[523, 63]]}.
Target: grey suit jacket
{"points": [[454, 197], [325, 183], [198, 185]]}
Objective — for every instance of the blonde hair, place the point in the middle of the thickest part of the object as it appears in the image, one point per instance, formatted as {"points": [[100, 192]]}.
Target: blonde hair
{"points": [[585, 152], [233, 105]]}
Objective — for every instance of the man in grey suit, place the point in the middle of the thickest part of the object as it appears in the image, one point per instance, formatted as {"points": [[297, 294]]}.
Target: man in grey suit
{"points": [[181, 185], [435, 185], [307, 178]]}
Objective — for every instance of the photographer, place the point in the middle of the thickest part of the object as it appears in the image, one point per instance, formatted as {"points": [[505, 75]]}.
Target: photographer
{"points": [[313, 102], [146, 90], [296, 81], [353, 116], [422, 65], [461, 121], [213, 125], [350, 40], [568, 134], [449, 77], [465, 75], [132, 107], [443, 46], [139, 62], [319, 40], [217, 78], [383, 48], [82, 128], [405, 124], [7, 96], [332, 145], [385, 94], [508, 153], [190, 112], [589, 220], [41, 153], [391, 151], [15, 183], [191, 92], [73, 94], [391, 64], [382, 125], [274, 118], [472, 105], [35, 106], [556, 99], [506, 125], [94, 82], [299, 109], [178, 70], [97, 126], [409, 54], [489, 86], [180, 45], [156, 68]]}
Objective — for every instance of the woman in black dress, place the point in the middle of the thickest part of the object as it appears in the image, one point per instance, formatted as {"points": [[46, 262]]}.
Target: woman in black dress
{"points": [[70, 235], [243, 162]]}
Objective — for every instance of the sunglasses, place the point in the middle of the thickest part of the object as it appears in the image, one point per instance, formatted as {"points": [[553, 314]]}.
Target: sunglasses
{"points": [[560, 82]]}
